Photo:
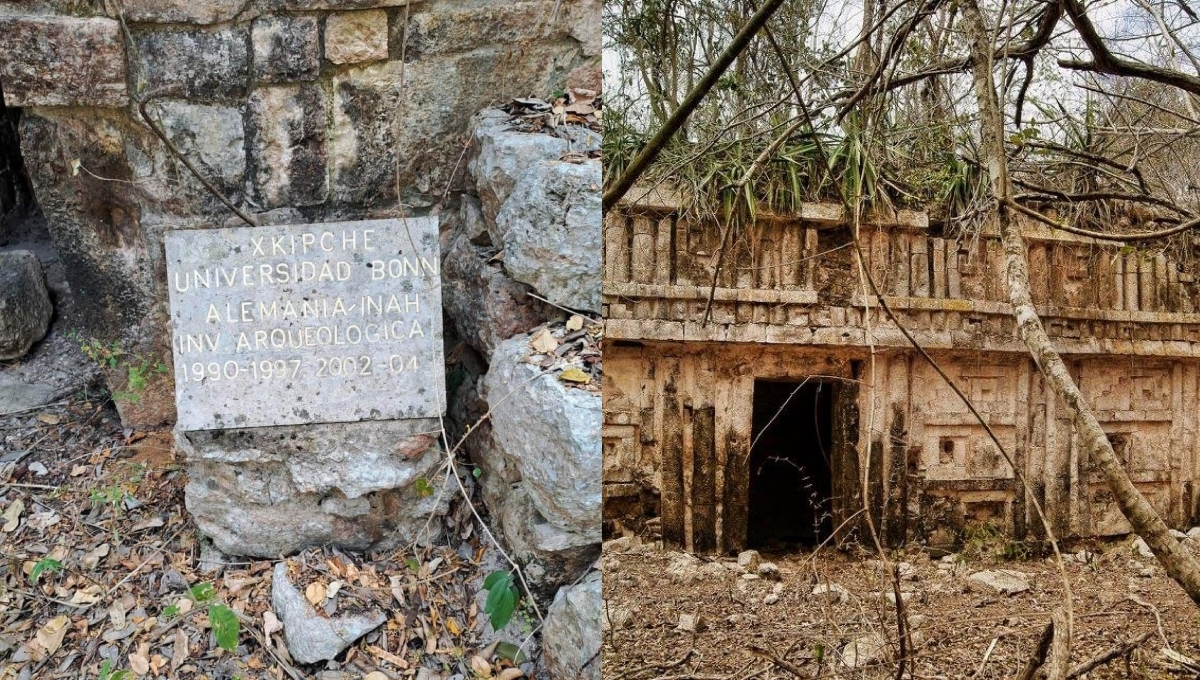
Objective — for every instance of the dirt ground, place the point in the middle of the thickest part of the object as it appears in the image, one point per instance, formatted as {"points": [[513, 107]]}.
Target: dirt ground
{"points": [[757, 627], [100, 509]]}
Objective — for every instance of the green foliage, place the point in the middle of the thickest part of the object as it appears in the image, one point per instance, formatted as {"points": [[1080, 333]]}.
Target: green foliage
{"points": [[988, 540], [202, 592], [424, 487], [109, 354], [113, 496], [170, 612], [107, 672], [43, 565], [225, 626], [511, 652], [502, 597]]}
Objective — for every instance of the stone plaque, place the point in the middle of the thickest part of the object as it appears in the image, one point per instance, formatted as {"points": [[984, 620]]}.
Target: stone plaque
{"points": [[307, 323]]}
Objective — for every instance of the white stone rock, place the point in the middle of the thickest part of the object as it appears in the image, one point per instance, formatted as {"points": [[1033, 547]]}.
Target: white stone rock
{"points": [[831, 593], [769, 570], [748, 560], [549, 228], [1194, 533], [503, 156], [25, 308], [553, 433], [1003, 581], [571, 635], [690, 623], [1140, 547], [864, 650], [313, 637]]}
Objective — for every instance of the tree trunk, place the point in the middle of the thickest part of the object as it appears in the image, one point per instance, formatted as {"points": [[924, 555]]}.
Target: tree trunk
{"points": [[1175, 559]]}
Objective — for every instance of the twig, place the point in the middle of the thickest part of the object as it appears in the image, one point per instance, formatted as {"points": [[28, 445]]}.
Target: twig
{"points": [[585, 317], [987, 655], [778, 661], [170, 89], [1116, 652]]}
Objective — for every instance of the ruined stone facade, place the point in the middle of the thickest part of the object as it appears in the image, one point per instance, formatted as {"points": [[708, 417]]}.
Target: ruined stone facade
{"points": [[683, 398]]}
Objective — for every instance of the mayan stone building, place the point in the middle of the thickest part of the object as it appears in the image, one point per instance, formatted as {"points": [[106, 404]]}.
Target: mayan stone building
{"points": [[756, 426]]}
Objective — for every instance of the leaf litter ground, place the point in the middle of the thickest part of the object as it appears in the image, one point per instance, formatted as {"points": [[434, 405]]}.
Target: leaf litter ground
{"points": [[654, 598], [101, 562]]}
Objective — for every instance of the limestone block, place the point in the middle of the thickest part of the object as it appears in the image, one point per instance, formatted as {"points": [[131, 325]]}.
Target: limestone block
{"points": [[62, 61], [486, 306], [183, 11], [550, 556], [212, 137], [25, 307], [278, 490], [206, 64], [558, 451], [287, 145], [375, 120], [571, 637], [442, 28], [305, 5], [313, 636], [362, 144], [549, 228], [500, 155], [583, 18], [355, 37], [286, 48]]}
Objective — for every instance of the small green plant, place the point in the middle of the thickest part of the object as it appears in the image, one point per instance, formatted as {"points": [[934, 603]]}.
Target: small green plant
{"points": [[43, 565], [138, 369], [113, 496], [424, 487], [988, 540], [107, 672], [502, 597], [224, 621]]}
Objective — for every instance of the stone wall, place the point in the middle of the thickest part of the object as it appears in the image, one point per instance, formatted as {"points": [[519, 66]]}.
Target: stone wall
{"points": [[296, 110], [679, 392]]}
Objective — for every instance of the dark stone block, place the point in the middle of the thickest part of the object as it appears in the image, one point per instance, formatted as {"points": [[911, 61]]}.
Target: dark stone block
{"points": [[62, 61], [286, 49], [205, 64], [287, 145]]}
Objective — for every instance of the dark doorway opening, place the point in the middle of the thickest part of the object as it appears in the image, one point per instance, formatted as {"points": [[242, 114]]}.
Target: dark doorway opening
{"points": [[791, 475]]}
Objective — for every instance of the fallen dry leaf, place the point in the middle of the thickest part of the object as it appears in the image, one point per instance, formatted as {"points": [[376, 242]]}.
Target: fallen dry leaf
{"points": [[49, 418], [139, 664], [384, 655], [510, 674], [12, 516], [181, 650], [88, 595], [271, 623], [543, 342], [92, 557], [481, 667], [575, 322], [575, 375], [315, 593], [50, 636]]}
